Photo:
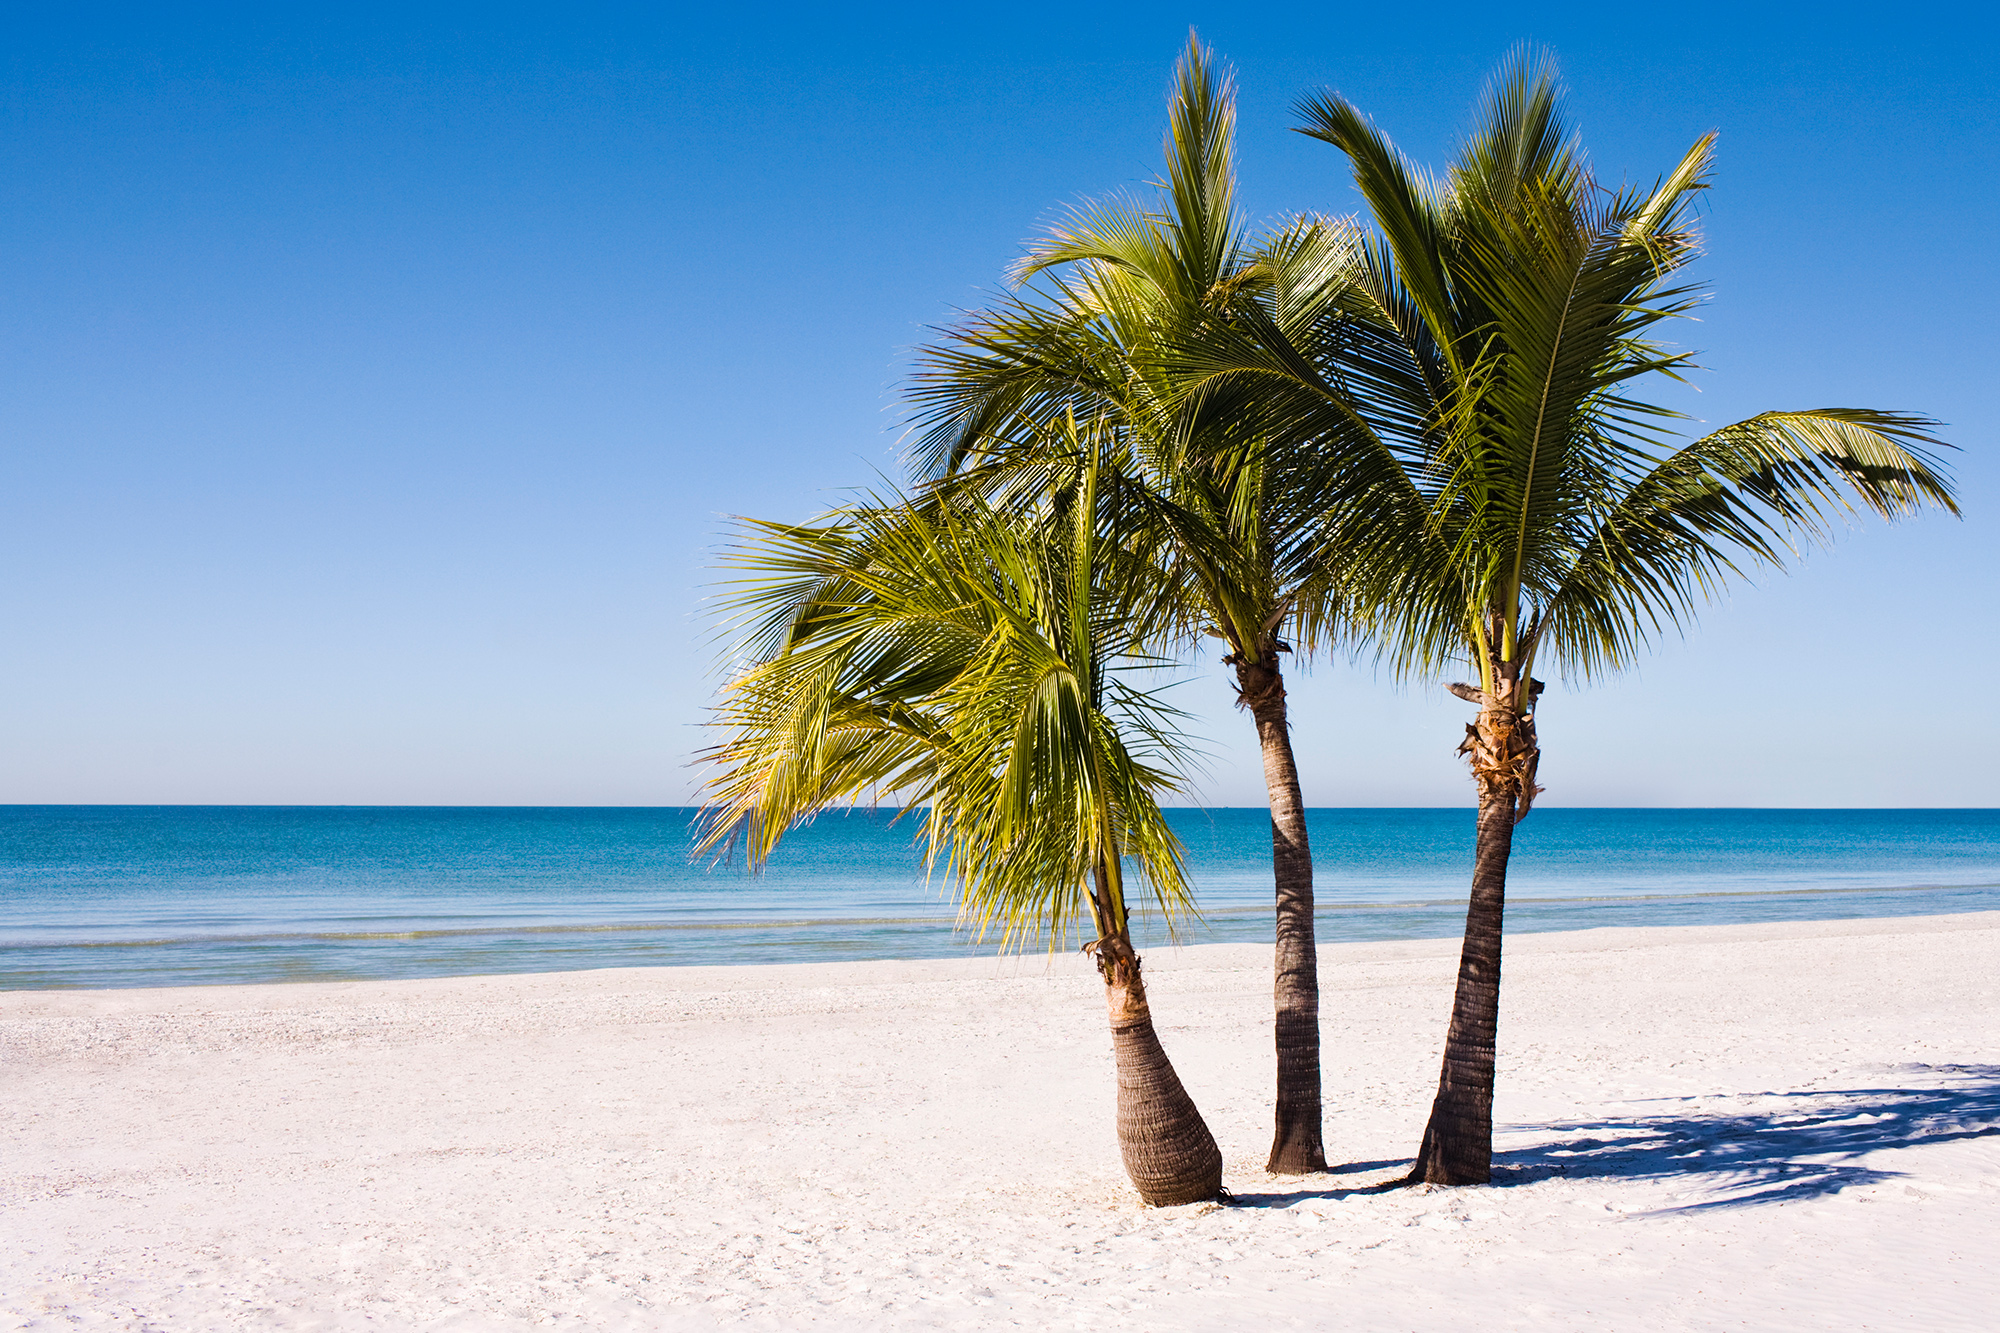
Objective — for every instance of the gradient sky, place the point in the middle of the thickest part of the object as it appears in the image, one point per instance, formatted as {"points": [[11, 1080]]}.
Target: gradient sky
{"points": [[376, 386]]}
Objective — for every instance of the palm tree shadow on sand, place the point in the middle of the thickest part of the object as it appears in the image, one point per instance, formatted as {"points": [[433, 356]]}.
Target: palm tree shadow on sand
{"points": [[1795, 1145]]}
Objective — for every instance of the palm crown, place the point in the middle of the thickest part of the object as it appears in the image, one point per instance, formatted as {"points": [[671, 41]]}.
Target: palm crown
{"points": [[1492, 334], [975, 663], [1116, 293]]}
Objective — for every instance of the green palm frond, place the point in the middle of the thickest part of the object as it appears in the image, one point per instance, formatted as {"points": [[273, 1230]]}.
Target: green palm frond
{"points": [[1735, 496], [1163, 329], [975, 663], [1492, 335]]}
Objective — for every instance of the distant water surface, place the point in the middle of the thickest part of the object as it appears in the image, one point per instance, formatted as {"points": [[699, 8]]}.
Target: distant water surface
{"points": [[107, 896]]}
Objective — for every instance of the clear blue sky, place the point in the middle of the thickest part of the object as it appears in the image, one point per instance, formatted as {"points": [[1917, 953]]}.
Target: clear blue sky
{"points": [[375, 385]]}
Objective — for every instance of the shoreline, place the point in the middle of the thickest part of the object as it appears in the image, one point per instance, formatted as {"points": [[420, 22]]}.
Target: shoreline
{"points": [[304, 957], [1039, 964]]}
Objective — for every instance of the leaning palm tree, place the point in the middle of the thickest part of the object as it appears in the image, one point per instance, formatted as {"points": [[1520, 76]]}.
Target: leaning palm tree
{"points": [[976, 662], [1231, 522], [1490, 334]]}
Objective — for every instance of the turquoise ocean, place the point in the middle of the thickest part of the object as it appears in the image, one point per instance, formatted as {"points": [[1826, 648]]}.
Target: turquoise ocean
{"points": [[120, 896]]}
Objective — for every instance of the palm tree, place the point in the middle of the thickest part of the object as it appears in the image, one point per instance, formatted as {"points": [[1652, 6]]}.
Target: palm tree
{"points": [[1489, 335], [976, 662], [1230, 522]]}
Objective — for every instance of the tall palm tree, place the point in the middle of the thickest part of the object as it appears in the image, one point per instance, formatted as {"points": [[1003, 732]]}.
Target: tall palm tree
{"points": [[1230, 520], [1489, 334], [976, 662]]}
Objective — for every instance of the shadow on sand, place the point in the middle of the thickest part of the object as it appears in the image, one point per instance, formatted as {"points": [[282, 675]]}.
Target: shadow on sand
{"points": [[1792, 1146]]}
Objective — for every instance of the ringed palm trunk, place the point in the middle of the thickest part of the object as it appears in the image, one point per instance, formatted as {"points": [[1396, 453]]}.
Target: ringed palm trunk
{"points": [[1168, 1151], [1457, 1147], [1296, 1144]]}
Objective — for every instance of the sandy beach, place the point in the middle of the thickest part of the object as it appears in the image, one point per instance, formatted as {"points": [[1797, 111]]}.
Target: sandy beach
{"points": [[1777, 1126]]}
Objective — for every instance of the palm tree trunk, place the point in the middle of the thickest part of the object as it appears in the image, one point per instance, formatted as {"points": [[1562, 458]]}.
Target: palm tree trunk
{"points": [[1457, 1147], [1168, 1151], [1296, 1145]]}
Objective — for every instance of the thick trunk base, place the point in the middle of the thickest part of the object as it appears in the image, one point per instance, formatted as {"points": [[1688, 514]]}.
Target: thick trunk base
{"points": [[1458, 1143], [1168, 1151], [1297, 1150]]}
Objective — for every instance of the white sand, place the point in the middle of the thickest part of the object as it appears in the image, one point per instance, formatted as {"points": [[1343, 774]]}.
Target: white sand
{"points": [[1761, 1127]]}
